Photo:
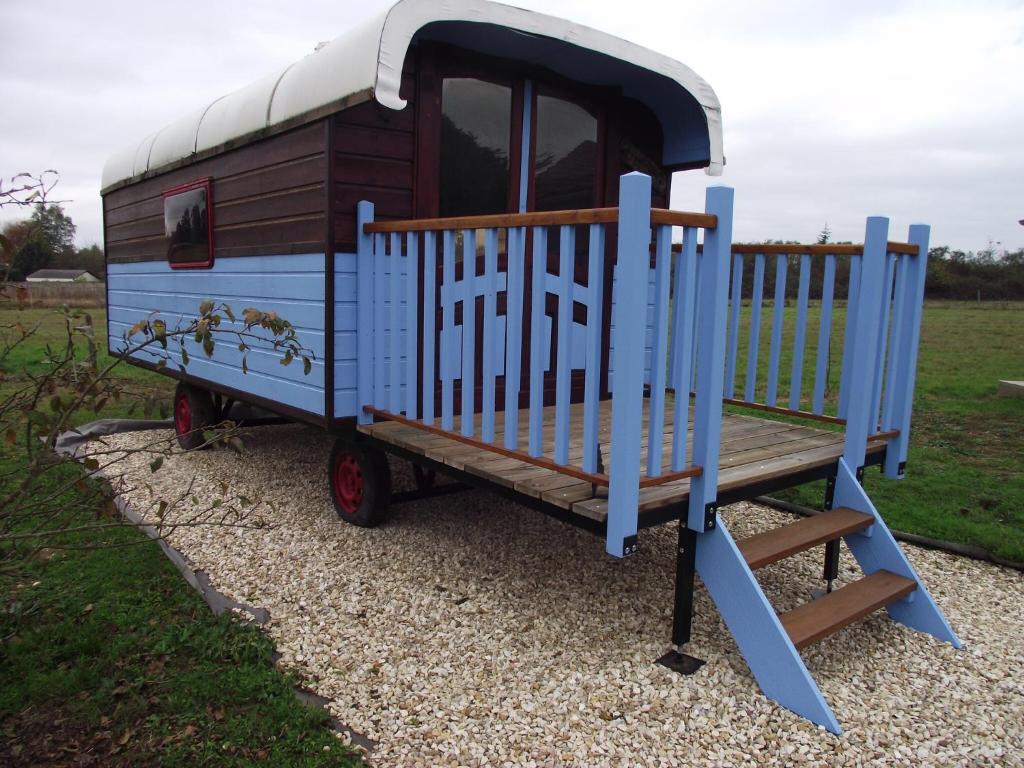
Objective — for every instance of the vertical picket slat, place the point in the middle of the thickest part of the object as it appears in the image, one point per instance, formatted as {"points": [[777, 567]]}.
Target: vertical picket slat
{"points": [[880, 349], [896, 340], [395, 347], [684, 340], [659, 349], [592, 382], [628, 341], [412, 287], [364, 307], [912, 303], [824, 335], [380, 265], [490, 346], [778, 318], [797, 374], [449, 350], [429, 310], [563, 373], [733, 331], [754, 342], [468, 330], [692, 385], [713, 295], [849, 331], [514, 333], [537, 293]]}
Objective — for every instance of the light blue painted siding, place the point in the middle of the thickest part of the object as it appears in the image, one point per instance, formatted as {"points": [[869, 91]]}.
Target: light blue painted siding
{"points": [[346, 330], [291, 285]]}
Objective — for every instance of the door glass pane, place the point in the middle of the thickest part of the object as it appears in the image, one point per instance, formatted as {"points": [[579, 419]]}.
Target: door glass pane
{"points": [[566, 156], [476, 123]]}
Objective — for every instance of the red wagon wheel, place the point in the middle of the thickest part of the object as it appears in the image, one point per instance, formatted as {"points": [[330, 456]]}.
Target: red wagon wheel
{"points": [[193, 412], [360, 483]]}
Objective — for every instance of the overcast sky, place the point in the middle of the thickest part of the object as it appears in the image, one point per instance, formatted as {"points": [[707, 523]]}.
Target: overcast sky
{"points": [[832, 110]]}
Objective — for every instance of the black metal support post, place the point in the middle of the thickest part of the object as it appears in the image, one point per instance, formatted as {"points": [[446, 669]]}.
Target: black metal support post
{"points": [[686, 563], [682, 613], [831, 572]]}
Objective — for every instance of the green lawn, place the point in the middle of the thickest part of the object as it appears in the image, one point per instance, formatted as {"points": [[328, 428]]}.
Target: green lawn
{"points": [[109, 650], [965, 471], [108, 657]]}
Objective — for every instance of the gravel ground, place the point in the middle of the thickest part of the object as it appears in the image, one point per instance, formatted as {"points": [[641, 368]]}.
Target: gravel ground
{"points": [[471, 631]]}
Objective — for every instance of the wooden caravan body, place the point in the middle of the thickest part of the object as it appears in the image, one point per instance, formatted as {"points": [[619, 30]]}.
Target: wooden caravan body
{"points": [[463, 209], [289, 156]]}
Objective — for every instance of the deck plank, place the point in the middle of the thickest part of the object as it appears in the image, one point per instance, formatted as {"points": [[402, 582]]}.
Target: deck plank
{"points": [[753, 450]]}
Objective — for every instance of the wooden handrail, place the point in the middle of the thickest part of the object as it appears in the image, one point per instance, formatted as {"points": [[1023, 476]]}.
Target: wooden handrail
{"points": [[683, 218], [499, 220], [540, 219], [802, 249]]}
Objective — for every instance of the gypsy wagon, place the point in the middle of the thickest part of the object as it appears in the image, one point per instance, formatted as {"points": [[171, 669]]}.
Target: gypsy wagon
{"points": [[464, 210]]}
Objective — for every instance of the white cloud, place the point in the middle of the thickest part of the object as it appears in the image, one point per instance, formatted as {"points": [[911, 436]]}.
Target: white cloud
{"points": [[911, 109]]}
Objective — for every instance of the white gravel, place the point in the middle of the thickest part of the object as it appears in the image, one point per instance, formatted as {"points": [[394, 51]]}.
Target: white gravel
{"points": [[470, 631]]}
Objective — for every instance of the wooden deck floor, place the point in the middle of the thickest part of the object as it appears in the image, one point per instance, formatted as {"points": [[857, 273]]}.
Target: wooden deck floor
{"points": [[753, 451]]}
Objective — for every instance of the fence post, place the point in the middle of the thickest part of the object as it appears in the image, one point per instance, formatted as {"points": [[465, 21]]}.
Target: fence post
{"points": [[364, 305], [861, 358], [628, 341], [713, 299], [903, 378]]}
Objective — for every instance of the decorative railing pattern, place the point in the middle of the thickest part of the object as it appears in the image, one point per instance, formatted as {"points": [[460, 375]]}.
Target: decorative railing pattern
{"points": [[674, 331]]}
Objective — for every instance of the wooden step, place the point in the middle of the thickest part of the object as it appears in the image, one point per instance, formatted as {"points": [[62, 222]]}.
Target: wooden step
{"points": [[779, 543], [826, 615]]}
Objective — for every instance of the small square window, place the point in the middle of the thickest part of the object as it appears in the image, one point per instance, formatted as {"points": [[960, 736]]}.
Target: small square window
{"points": [[188, 225]]}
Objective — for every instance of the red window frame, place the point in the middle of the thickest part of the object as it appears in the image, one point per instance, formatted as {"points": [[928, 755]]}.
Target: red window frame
{"points": [[207, 184]]}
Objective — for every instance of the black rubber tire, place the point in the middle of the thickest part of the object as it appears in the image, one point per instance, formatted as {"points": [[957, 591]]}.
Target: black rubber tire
{"points": [[359, 480], [425, 478], [193, 412]]}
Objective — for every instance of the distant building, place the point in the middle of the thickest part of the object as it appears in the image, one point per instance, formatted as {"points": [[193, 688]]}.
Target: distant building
{"points": [[62, 276]]}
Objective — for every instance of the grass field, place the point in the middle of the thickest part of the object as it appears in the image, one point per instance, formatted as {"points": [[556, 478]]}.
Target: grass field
{"points": [[965, 470], [109, 651], [108, 657]]}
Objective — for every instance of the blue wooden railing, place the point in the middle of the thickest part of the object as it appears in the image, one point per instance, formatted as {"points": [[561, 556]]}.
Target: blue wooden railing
{"points": [[877, 351], [675, 328]]}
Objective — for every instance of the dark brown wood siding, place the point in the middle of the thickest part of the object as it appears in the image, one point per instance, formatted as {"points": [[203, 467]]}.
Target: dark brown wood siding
{"points": [[374, 149], [268, 198]]}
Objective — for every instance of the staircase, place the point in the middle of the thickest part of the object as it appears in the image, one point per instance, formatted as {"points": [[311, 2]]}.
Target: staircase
{"points": [[826, 615], [771, 642]]}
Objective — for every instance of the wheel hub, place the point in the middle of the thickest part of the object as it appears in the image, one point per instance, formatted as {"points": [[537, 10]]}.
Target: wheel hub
{"points": [[182, 416], [348, 483]]}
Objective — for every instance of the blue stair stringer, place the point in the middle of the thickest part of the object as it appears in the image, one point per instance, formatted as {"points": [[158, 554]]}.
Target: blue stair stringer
{"points": [[756, 628], [875, 549]]}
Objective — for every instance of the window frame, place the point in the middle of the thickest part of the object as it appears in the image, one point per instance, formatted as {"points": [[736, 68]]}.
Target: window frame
{"points": [[205, 183]]}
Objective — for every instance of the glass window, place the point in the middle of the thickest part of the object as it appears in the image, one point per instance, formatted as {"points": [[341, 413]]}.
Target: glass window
{"points": [[566, 156], [187, 225], [476, 125]]}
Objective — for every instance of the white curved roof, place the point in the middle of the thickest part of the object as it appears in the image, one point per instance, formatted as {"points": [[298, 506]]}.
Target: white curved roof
{"points": [[366, 62]]}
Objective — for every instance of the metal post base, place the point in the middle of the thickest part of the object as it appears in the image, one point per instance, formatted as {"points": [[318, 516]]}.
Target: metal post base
{"points": [[682, 663]]}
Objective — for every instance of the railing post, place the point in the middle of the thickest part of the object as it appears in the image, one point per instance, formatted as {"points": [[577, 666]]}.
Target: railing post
{"points": [[861, 357], [364, 305], [902, 380], [633, 258], [713, 298]]}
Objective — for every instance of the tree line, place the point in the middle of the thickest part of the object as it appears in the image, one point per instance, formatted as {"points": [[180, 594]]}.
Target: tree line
{"points": [[46, 240]]}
